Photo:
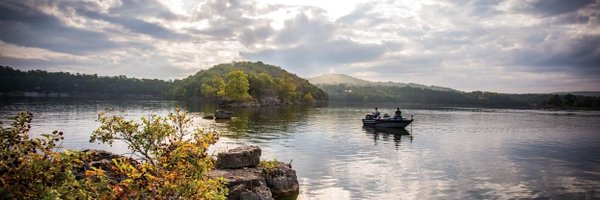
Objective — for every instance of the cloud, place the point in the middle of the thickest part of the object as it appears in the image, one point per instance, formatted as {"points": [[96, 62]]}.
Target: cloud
{"points": [[137, 8], [135, 25], [501, 45], [547, 8], [27, 26], [581, 54]]}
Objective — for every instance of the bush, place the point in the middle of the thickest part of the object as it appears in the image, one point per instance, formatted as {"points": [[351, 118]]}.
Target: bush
{"points": [[173, 162]]}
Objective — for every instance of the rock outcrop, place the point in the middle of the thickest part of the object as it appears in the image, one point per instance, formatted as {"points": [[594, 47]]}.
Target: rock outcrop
{"points": [[246, 179], [247, 156], [244, 183], [282, 180]]}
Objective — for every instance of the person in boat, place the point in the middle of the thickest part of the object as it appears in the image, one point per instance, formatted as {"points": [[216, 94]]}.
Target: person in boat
{"points": [[398, 114], [376, 114]]}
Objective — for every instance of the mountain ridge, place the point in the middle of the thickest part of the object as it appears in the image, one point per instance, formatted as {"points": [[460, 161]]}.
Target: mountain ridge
{"points": [[334, 79]]}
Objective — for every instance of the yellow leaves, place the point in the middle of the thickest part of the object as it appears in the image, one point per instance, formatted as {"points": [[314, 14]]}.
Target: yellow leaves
{"points": [[172, 167], [94, 172]]}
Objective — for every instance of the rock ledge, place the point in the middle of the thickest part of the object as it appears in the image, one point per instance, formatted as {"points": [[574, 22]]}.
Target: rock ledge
{"points": [[246, 179]]}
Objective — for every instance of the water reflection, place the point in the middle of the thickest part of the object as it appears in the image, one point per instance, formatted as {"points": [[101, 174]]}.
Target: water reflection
{"points": [[256, 123], [379, 133], [459, 153]]}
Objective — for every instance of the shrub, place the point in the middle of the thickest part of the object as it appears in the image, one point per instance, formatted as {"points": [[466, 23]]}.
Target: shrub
{"points": [[173, 162], [268, 166]]}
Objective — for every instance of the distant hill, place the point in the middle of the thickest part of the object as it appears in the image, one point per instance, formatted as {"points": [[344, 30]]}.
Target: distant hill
{"points": [[581, 93], [344, 88], [335, 79], [250, 82], [39, 83]]}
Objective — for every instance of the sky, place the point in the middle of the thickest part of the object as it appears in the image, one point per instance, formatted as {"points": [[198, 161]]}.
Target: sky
{"points": [[515, 46]]}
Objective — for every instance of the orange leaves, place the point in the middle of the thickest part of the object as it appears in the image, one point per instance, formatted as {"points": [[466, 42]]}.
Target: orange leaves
{"points": [[95, 172], [174, 162]]}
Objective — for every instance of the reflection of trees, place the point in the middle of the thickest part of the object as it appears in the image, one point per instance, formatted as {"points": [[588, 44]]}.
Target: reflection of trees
{"points": [[199, 106], [266, 120], [256, 121], [386, 133]]}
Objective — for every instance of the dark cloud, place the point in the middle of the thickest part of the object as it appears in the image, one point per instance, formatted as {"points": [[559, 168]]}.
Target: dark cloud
{"points": [[25, 25], [135, 25], [546, 8], [578, 55]]}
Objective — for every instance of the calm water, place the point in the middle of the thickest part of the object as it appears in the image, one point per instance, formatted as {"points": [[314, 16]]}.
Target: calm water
{"points": [[452, 153]]}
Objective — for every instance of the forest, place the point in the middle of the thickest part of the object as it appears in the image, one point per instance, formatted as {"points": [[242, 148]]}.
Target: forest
{"points": [[14, 82], [244, 81], [230, 82], [411, 95], [264, 84]]}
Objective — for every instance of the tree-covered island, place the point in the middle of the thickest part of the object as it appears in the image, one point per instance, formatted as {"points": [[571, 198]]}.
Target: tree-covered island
{"points": [[246, 84]]}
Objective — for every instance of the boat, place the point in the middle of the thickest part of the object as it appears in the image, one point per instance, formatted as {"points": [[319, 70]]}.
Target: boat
{"points": [[386, 122]]}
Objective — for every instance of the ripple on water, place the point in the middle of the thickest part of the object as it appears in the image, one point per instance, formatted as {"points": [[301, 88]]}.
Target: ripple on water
{"points": [[450, 154]]}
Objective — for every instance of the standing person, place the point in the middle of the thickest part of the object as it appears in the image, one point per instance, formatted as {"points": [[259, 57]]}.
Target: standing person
{"points": [[398, 113], [376, 113]]}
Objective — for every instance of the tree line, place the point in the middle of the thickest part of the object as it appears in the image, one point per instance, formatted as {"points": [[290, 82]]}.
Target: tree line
{"points": [[230, 82], [17, 81], [573, 101], [412, 95]]}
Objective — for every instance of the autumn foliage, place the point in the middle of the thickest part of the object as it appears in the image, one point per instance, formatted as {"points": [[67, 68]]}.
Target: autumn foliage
{"points": [[171, 162]]}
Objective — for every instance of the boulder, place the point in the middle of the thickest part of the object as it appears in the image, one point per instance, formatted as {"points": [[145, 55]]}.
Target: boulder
{"points": [[246, 156], [248, 180], [247, 184], [281, 180], [223, 114]]}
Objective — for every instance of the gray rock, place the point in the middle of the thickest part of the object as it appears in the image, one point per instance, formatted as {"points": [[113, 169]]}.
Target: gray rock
{"points": [[269, 101], [247, 184], [223, 114], [246, 156], [282, 180]]}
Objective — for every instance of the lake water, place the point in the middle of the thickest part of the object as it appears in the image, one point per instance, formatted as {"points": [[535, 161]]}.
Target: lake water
{"points": [[448, 153]]}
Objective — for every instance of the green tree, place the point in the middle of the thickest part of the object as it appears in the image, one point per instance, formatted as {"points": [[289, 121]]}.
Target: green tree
{"points": [[237, 86], [555, 100], [214, 88], [308, 98], [287, 89], [569, 100]]}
